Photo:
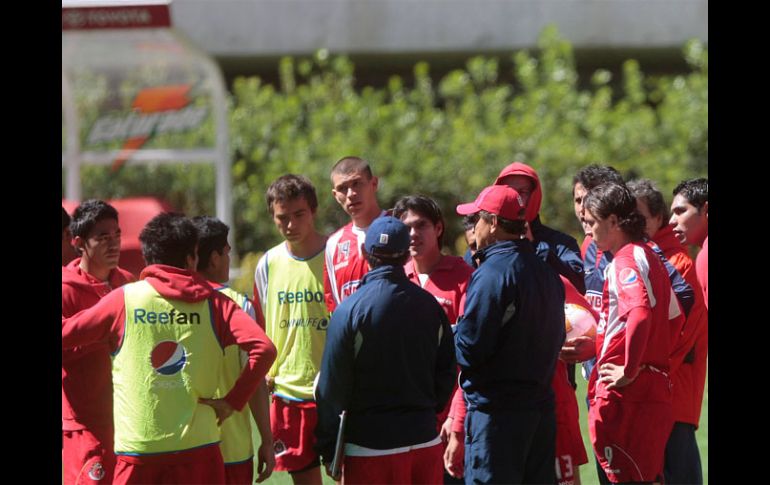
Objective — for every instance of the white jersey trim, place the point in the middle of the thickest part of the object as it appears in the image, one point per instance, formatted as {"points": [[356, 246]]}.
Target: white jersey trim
{"points": [[331, 247], [640, 258], [261, 278]]}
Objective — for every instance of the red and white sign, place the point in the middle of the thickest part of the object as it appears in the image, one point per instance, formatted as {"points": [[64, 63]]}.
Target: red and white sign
{"points": [[115, 17]]}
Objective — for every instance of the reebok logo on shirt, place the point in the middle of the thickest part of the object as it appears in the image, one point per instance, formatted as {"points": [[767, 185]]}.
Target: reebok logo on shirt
{"points": [[300, 296]]}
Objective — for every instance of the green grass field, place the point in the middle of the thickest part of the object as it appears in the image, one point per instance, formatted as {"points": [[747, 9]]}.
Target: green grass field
{"points": [[280, 478], [587, 471]]}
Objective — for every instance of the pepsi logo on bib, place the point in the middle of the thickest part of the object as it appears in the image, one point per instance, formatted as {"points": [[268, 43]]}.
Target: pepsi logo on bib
{"points": [[168, 357], [628, 276]]}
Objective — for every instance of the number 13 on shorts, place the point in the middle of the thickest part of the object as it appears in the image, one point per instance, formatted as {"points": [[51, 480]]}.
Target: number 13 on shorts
{"points": [[564, 470]]}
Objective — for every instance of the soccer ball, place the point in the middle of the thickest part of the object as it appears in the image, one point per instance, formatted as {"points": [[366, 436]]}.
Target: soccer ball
{"points": [[578, 321]]}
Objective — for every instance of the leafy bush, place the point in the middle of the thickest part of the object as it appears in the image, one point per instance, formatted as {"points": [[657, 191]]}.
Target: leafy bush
{"points": [[447, 138]]}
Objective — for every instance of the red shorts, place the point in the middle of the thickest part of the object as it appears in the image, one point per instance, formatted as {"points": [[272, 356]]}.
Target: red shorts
{"points": [[87, 456], [293, 426], [201, 465], [570, 451], [629, 438], [423, 465], [240, 473]]}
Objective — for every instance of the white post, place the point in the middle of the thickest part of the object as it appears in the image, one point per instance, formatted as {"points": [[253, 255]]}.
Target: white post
{"points": [[71, 155]]}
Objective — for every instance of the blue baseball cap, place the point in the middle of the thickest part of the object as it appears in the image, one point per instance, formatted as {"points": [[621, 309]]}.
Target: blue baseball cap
{"points": [[387, 236]]}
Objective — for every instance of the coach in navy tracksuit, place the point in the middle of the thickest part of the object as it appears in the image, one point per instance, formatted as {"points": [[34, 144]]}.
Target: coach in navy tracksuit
{"points": [[389, 361], [507, 343]]}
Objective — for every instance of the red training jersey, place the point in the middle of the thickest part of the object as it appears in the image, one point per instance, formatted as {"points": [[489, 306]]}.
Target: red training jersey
{"points": [[344, 264], [702, 268], [690, 350], [447, 283], [635, 278], [86, 372]]}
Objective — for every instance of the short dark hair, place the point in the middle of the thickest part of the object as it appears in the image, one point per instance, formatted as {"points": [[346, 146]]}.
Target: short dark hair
{"points": [[518, 226], [612, 198], [88, 214], [168, 239], [592, 175], [377, 261], [646, 190], [469, 221], [65, 219], [423, 205], [349, 164], [696, 191], [290, 187], [212, 236]]}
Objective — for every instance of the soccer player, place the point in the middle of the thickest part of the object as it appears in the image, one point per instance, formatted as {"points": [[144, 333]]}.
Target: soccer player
{"points": [[87, 429], [355, 190], [689, 222], [583, 349], [288, 290], [562, 253], [469, 223], [690, 218], [167, 333], [559, 250], [507, 343], [67, 251], [237, 450], [629, 388], [445, 277], [570, 450], [389, 363], [595, 260]]}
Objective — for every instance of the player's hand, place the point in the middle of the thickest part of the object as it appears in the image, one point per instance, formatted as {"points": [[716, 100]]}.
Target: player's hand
{"points": [[578, 349], [221, 407], [612, 375], [446, 428], [270, 383], [454, 455], [265, 461]]}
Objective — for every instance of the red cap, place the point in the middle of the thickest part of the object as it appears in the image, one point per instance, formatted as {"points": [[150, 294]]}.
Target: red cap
{"points": [[536, 197], [500, 200]]}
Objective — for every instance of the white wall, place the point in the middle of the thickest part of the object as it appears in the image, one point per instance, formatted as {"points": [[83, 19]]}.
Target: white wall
{"points": [[279, 27]]}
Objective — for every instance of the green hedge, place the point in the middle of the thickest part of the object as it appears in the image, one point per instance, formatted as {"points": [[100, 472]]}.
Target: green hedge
{"points": [[446, 139]]}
